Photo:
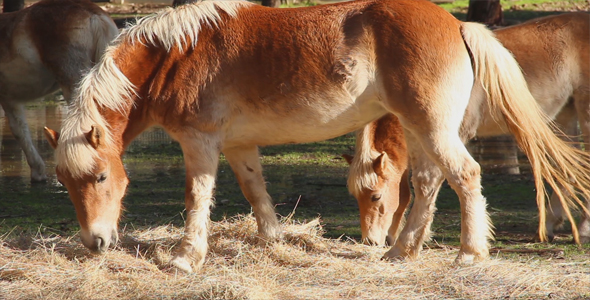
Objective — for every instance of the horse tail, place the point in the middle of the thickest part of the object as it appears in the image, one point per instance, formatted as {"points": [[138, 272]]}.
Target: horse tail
{"points": [[565, 168], [104, 31]]}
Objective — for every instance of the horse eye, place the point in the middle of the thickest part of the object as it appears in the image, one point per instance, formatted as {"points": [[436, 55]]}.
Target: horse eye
{"points": [[375, 197], [101, 178]]}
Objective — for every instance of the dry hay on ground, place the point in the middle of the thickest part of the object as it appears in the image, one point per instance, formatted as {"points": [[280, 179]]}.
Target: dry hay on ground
{"points": [[304, 266]]}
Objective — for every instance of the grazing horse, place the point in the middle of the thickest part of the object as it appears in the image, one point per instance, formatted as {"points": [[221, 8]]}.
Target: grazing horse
{"points": [[43, 48], [382, 206], [229, 76], [554, 55]]}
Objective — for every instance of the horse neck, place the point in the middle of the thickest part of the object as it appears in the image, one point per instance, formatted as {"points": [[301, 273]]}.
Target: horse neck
{"points": [[125, 125], [388, 136]]}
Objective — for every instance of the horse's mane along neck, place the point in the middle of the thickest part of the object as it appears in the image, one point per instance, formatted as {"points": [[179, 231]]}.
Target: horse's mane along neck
{"points": [[179, 27], [107, 87]]}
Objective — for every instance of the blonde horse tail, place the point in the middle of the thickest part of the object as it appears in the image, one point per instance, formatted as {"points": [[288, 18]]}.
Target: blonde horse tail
{"points": [[566, 169], [105, 30]]}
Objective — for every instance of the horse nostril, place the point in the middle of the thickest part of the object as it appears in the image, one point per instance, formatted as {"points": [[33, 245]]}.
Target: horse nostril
{"points": [[101, 244], [369, 241]]}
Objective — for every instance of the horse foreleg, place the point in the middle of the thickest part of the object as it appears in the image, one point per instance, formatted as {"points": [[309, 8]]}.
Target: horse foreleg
{"points": [[201, 157], [20, 130], [405, 196], [427, 179], [245, 163]]}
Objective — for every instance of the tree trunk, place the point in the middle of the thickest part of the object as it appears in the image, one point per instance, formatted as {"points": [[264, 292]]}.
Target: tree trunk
{"points": [[176, 3], [271, 3], [497, 154], [488, 12], [12, 5]]}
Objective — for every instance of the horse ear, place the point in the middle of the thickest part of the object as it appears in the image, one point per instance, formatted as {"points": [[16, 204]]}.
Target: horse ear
{"points": [[380, 164], [94, 136], [52, 136], [348, 158]]}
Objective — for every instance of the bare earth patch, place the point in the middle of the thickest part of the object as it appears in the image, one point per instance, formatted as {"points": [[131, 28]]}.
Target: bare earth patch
{"points": [[304, 266]]}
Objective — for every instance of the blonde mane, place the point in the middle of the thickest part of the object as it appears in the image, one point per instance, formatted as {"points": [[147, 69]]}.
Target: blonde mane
{"points": [[180, 26], [105, 86]]}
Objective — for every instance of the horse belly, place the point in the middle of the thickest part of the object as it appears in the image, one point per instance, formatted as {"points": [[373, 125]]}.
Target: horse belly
{"points": [[321, 121], [24, 77]]}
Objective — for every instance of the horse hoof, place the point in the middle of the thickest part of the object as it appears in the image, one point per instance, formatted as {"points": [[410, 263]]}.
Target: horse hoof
{"points": [[464, 259], [182, 264], [38, 178], [395, 254]]}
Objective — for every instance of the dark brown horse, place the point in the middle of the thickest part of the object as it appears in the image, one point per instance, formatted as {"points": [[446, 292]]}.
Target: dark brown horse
{"points": [[43, 48]]}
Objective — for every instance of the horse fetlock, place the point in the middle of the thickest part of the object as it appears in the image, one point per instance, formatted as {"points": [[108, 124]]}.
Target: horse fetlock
{"points": [[584, 230], [38, 172], [38, 176], [398, 252], [469, 257], [182, 263], [270, 233], [189, 255]]}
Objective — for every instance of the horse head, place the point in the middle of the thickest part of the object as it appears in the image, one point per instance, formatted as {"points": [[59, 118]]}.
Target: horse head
{"points": [[97, 192], [378, 202]]}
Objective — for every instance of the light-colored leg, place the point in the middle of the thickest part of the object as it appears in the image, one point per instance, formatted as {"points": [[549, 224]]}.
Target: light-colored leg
{"points": [[20, 130], [463, 174], [398, 221], [201, 156], [567, 120], [427, 179], [246, 165]]}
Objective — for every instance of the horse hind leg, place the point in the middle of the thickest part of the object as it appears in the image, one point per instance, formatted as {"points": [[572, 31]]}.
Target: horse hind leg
{"points": [[245, 163], [20, 130], [201, 156], [463, 174], [439, 141], [582, 102], [567, 121], [427, 179]]}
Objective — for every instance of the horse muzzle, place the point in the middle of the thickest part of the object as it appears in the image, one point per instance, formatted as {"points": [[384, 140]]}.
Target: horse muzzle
{"points": [[98, 241]]}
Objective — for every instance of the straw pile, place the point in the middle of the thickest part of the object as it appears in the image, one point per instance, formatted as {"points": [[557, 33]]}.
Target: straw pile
{"points": [[303, 266]]}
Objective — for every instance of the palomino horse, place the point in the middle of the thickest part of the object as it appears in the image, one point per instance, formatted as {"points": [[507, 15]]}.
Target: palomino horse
{"points": [[43, 48], [222, 76], [554, 55]]}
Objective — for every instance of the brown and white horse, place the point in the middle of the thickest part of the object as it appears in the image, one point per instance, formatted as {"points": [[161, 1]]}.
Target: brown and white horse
{"points": [[43, 48], [227, 77], [554, 55]]}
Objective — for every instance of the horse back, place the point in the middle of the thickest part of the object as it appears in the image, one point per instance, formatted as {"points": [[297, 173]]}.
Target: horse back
{"points": [[553, 52]]}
